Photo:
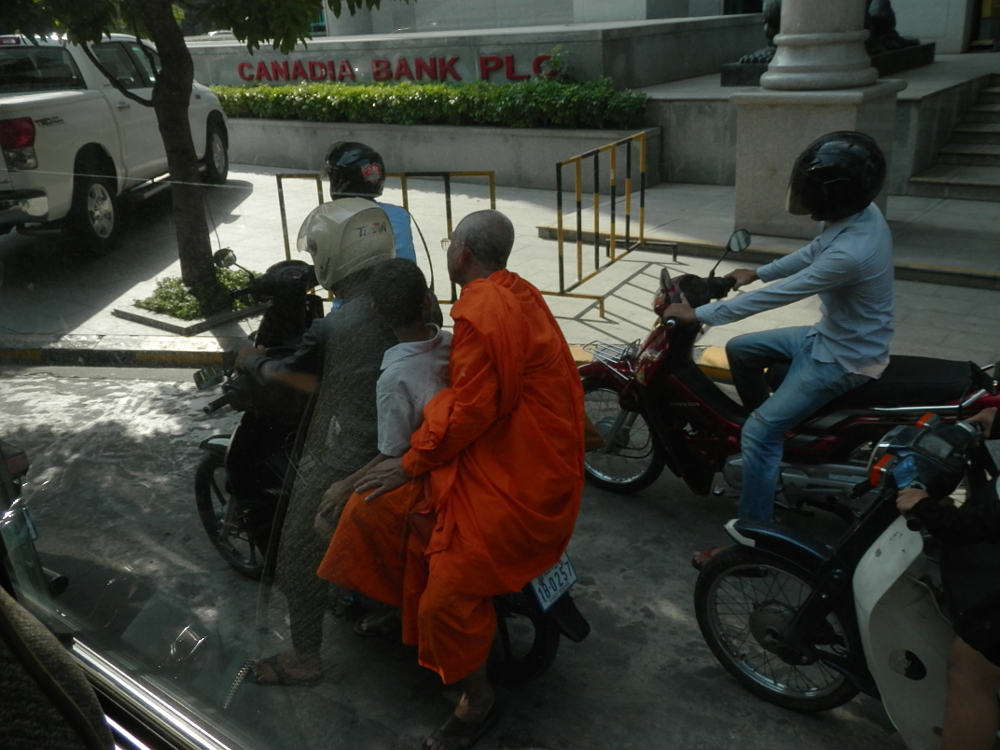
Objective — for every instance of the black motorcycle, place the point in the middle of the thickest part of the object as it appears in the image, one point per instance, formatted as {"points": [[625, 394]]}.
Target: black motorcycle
{"points": [[238, 482]]}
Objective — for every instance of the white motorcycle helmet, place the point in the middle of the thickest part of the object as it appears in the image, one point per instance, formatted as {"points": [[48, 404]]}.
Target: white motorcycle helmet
{"points": [[345, 236]]}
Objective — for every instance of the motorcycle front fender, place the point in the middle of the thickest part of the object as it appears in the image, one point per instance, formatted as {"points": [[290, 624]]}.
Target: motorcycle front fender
{"points": [[799, 549], [571, 622], [217, 444]]}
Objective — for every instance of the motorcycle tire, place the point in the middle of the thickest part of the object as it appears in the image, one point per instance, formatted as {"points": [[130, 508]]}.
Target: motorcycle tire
{"points": [[635, 460], [742, 594], [526, 642], [230, 538]]}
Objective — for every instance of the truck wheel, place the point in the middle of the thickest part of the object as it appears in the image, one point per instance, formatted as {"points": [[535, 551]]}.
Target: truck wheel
{"points": [[95, 217], [216, 156]]}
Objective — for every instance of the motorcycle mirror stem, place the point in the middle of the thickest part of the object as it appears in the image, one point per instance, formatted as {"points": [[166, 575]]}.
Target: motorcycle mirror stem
{"points": [[738, 242], [225, 258]]}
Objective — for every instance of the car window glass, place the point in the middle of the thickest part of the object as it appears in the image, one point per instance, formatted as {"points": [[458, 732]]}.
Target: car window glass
{"points": [[147, 59], [119, 64], [37, 68]]}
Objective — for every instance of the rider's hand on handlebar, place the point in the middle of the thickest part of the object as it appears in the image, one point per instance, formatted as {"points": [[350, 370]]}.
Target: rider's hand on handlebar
{"points": [[742, 276], [245, 352], [984, 419], [682, 311], [907, 498]]}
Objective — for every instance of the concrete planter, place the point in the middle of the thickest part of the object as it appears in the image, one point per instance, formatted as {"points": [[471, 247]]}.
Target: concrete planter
{"points": [[523, 158]]}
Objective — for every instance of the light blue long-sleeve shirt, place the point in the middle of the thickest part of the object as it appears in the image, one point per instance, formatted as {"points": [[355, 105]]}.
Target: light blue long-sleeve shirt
{"points": [[849, 265]]}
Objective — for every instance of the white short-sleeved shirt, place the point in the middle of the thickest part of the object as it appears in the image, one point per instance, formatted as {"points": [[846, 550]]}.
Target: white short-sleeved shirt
{"points": [[412, 373]]}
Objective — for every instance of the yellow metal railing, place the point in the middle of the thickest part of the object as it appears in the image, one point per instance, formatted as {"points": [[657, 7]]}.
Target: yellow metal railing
{"points": [[612, 248]]}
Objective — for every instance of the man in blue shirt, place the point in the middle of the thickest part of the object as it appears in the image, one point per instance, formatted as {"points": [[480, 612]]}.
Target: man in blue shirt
{"points": [[849, 265]]}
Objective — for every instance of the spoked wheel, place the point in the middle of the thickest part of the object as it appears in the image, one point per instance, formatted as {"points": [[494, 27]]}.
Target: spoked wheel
{"points": [[742, 598], [224, 522], [526, 641], [630, 460]]}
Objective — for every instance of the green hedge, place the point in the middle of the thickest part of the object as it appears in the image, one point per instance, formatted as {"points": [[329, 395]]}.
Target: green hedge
{"points": [[537, 103]]}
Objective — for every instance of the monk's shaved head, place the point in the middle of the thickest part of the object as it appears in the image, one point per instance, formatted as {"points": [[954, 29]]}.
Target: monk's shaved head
{"points": [[489, 235]]}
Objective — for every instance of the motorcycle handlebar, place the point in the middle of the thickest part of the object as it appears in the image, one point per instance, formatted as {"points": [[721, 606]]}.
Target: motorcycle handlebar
{"points": [[214, 406], [720, 286]]}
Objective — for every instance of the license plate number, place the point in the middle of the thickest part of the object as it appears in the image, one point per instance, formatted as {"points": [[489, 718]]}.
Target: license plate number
{"points": [[554, 582]]}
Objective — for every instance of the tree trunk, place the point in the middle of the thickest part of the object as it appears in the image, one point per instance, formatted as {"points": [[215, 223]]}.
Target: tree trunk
{"points": [[171, 96]]}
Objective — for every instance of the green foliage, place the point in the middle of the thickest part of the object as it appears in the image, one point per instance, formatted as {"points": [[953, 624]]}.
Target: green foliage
{"points": [[171, 297], [536, 103], [282, 23], [558, 65]]}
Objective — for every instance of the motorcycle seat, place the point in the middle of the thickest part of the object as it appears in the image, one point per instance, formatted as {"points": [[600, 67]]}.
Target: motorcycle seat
{"points": [[907, 381]]}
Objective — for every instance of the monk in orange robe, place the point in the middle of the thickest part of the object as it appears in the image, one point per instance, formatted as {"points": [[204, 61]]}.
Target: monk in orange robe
{"points": [[487, 496]]}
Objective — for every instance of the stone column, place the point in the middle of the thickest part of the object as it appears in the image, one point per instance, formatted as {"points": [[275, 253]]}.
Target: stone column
{"points": [[821, 80], [821, 45]]}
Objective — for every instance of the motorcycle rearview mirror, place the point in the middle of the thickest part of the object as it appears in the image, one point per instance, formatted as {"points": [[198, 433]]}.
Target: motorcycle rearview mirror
{"points": [[738, 242], [664, 278], [224, 258], [209, 377]]}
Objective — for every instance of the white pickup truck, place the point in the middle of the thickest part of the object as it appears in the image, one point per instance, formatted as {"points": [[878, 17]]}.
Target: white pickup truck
{"points": [[74, 146]]}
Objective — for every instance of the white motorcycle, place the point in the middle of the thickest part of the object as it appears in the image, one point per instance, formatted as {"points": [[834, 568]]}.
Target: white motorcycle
{"points": [[807, 626]]}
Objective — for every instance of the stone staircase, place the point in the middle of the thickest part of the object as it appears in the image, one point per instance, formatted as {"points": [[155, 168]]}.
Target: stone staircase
{"points": [[968, 167]]}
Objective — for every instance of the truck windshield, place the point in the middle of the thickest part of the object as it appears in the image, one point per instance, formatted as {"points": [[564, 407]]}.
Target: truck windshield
{"points": [[41, 68]]}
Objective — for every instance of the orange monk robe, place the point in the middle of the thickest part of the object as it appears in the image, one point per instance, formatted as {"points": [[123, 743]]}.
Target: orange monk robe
{"points": [[500, 454]]}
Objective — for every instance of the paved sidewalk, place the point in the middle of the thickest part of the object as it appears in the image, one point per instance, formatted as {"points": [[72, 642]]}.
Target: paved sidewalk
{"points": [[56, 305]]}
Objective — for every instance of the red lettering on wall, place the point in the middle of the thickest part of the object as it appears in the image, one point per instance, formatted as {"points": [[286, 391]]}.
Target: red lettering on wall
{"points": [[430, 69], [444, 68], [536, 66], [279, 70], [317, 71], [381, 70], [487, 64], [403, 69], [511, 75], [262, 74], [299, 71], [344, 71], [242, 69]]}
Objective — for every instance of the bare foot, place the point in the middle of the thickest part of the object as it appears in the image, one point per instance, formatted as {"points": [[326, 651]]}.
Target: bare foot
{"points": [[700, 559]]}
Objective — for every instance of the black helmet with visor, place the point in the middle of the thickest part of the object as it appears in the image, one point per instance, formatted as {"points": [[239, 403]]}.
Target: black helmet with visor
{"points": [[838, 175], [355, 170]]}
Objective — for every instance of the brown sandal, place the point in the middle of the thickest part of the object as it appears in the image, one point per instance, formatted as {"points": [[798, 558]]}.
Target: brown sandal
{"points": [[459, 734]]}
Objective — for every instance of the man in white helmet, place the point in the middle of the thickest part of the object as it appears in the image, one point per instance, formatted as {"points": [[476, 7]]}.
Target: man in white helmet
{"points": [[342, 355]]}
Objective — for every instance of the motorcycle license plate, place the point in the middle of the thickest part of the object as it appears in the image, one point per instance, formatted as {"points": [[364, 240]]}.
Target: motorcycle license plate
{"points": [[554, 582]]}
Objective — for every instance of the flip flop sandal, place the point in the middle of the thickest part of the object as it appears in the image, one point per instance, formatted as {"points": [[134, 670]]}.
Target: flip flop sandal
{"points": [[458, 734], [283, 678], [379, 625]]}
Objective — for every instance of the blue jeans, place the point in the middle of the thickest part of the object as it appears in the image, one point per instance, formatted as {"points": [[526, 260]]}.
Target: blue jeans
{"points": [[808, 385]]}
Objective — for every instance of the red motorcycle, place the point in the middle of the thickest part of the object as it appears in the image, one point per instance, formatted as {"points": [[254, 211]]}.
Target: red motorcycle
{"points": [[655, 407]]}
